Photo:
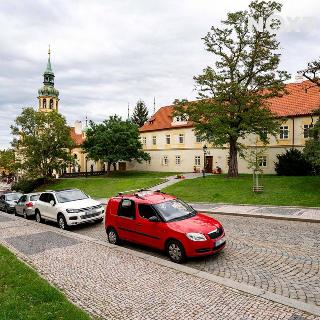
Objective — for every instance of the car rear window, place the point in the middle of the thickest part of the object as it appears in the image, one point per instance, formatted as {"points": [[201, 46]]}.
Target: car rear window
{"points": [[13, 196]]}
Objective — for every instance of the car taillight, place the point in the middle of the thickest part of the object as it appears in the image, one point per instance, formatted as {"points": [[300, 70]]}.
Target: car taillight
{"points": [[29, 204]]}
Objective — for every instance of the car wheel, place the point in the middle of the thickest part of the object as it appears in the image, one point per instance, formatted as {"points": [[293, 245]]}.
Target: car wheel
{"points": [[15, 212], [175, 251], [6, 209], [25, 214], [113, 237], [62, 222], [38, 217]]}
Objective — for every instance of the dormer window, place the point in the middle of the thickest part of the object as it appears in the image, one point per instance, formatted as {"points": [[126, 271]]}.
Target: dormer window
{"points": [[180, 120]]}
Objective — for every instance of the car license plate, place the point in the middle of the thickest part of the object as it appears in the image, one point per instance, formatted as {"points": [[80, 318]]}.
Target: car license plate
{"points": [[220, 242]]}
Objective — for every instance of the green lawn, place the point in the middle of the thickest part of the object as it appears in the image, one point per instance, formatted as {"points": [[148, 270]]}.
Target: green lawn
{"points": [[103, 186], [24, 295], [295, 191]]}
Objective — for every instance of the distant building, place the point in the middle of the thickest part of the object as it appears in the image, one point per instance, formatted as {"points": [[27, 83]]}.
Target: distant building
{"points": [[48, 97], [173, 145]]}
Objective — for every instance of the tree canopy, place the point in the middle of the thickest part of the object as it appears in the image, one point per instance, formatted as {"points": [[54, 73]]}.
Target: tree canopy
{"points": [[233, 95], [140, 113], [7, 160], [42, 141], [114, 140], [312, 72]]}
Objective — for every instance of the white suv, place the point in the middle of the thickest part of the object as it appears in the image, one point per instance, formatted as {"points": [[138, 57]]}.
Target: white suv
{"points": [[68, 207]]}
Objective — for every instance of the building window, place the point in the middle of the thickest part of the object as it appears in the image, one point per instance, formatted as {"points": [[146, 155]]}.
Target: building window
{"points": [[263, 161], [284, 132], [198, 139], [181, 138], [178, 160], [168, 139], [44, 103], [306, 130], [144, 140], [154, 140], [51, 104], [197, 160], [165, 160]]}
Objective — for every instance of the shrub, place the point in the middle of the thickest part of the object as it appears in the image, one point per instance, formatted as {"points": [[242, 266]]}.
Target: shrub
{"points": [[293, 163], [28, 185]]}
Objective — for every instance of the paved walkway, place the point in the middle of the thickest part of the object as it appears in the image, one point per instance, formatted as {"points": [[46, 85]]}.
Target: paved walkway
{"points": [[117, 283]]}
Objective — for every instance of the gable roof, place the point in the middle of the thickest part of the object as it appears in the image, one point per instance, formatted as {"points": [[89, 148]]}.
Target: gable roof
{"points": [[302, 99]]}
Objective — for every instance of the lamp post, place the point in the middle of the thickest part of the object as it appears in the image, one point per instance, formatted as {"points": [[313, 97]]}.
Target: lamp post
{"points": [[86, 167], [204, 148]]}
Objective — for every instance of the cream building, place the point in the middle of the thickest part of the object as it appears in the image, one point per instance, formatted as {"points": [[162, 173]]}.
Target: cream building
{"points": [[174, 147]]}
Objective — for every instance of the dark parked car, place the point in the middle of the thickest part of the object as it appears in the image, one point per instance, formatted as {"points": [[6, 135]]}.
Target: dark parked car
{"points": [[8, 201], [25, 205]]}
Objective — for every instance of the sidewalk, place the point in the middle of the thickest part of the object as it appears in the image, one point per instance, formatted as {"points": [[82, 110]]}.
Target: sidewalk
{"points": [[113, 282]]}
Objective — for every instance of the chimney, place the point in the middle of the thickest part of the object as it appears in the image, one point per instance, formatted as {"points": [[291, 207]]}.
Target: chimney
{"points": [[299, 78], [78, 127]]}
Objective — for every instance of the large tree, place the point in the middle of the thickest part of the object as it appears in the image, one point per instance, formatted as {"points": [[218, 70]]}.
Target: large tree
{"points": [[233, 94], [114, 140], [7, 160], [140, 114], [312, 72], [42, 142], [312, 148]]}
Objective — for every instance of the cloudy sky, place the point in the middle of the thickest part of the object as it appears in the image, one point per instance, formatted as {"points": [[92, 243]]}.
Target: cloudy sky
{"points": [[108, 53]]}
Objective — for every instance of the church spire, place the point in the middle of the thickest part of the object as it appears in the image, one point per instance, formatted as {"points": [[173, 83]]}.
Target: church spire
{"points": [[49, 69]]}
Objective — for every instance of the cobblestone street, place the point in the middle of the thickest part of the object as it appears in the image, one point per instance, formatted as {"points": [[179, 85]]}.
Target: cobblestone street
{"points": [[112, 282], [278, 256]]}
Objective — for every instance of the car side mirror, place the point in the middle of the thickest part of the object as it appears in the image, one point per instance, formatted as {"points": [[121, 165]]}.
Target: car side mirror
{"points": [[52, 202], [154, 219]]}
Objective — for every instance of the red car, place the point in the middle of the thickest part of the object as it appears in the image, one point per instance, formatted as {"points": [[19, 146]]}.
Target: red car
{"points": [[163, 222]]}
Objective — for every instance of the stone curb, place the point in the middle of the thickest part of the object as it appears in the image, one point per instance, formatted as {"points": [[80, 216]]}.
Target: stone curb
{"points": [[261, 216], [256, 205], [312, 309]]}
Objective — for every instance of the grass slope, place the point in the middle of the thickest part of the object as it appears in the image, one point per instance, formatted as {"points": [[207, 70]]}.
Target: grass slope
{"points": [[24, 295], [102, 187], [295, 191]]}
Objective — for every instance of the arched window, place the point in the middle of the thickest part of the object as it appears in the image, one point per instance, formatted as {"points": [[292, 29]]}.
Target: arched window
{"points": [[75, 156], [51, 103], [44, 103], [57, 105]]}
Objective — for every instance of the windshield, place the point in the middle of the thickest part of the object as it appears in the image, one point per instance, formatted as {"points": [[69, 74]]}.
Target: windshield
{"points": [[13, 196], [70, 195], [174, 210]]}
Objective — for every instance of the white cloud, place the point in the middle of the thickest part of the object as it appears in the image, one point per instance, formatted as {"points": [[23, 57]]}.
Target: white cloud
{"points": [[108, 53]]}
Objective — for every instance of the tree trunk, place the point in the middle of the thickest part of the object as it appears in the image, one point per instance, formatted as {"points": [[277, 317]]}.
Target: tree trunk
{"points": [[114, 166], [108, 168], [233, 159]]}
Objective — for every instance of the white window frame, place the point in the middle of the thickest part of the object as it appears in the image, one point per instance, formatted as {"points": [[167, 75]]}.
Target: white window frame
{"points": [[178, 160], [198, 139], [263, 161], [181, 138], [144, 141], [306, 130], [165, 160], [284, 132], [168, 138], [154, 140], [197, 160]]}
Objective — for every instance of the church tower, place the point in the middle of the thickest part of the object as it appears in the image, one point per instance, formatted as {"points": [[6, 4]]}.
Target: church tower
{"points": [[48, 94]]}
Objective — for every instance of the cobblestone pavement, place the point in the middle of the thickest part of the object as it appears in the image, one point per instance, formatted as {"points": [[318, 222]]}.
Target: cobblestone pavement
{"points": [[282, 257], [113, 284]]}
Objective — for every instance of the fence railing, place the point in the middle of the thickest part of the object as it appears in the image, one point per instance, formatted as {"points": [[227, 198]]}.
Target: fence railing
{"points": [[83, 174]]}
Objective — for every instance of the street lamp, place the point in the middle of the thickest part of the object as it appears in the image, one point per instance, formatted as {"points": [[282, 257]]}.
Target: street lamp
{"points": [[204, 148], [86, 166]]}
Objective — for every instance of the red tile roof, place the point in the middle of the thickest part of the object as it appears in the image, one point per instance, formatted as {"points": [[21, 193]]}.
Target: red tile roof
{"points": [[302, 99], [78, 139]]}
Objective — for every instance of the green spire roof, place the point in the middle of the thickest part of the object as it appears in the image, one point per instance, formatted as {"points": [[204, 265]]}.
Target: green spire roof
{"points": [[49, 68]]}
